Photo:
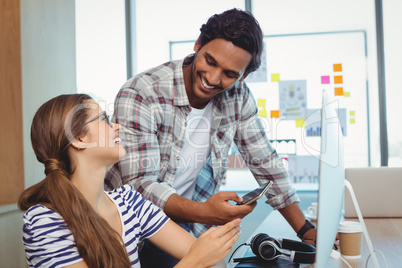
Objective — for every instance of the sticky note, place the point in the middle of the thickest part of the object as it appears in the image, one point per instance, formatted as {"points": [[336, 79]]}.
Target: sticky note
{"points": [[275, 114], [339, 91], [352, 121], [352, 113], [325, 79], [346, 94], [261, 104], [263, 113], [338, 79], [299, 122], [338, 67], [275, 78]]}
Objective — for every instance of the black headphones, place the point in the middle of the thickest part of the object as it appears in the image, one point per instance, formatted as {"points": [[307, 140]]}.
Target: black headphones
{"points": [[270, 249]]}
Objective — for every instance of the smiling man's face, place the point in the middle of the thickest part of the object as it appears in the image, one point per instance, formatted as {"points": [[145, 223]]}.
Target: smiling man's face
{"points": [[217, 66]]}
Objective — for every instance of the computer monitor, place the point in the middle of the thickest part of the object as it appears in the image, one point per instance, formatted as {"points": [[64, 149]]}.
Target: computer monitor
{"points": [[331, 181]]}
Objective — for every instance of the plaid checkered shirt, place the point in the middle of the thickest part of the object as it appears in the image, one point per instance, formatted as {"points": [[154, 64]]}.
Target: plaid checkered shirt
{"points": [[152, 107]]}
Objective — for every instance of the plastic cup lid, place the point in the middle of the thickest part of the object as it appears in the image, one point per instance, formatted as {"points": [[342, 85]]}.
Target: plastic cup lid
{"points": [[350, 227]]}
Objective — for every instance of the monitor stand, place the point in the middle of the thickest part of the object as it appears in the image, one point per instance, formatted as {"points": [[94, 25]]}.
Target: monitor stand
{"points": [[359, 215]]}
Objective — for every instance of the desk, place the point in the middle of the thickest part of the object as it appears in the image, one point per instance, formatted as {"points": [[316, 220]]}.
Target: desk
{"points": [[385, 234]]}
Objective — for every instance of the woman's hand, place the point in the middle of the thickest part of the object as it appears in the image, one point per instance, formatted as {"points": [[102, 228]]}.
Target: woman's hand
{"points": [[212, 246]]}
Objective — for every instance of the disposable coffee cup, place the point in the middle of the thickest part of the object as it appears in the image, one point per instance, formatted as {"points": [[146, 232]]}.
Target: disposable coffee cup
{"points": [[350, 239]]}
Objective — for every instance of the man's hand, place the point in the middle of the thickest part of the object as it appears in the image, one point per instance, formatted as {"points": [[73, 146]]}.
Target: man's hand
{"points": [[311, 235], [215, 211], [218, 210]]}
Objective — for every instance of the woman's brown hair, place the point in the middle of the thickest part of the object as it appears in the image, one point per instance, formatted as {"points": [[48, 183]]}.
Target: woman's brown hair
{"points": [[55, 125]]}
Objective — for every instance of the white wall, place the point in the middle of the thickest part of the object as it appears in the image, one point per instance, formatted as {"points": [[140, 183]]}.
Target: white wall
{"points": [[48, 69], [48, 64]]}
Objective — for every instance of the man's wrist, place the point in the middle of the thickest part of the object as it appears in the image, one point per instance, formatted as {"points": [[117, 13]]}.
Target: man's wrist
{"points": [[306, 227]]}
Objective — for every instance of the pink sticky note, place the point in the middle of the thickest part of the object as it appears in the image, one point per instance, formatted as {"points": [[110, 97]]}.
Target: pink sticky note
{"points": [[325, 79]]}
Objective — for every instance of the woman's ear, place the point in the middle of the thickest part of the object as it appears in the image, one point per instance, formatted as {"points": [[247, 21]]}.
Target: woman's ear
{"points": [[79, 144]]}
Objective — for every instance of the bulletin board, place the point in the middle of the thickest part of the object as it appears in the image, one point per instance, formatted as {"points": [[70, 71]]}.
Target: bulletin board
{"points": [[288, 90]]}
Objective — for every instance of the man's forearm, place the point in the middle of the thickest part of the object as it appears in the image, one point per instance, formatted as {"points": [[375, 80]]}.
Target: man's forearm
{"points": [[294, 216], [296, 219], [181, 209]]}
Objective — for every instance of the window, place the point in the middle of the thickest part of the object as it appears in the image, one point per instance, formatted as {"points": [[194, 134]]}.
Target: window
{"points": [[393, 59], [101, 39], [319, 43], [100, 49], [174, 20]]}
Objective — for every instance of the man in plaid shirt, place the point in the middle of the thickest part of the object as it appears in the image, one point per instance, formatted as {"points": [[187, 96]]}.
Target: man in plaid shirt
{"points": [[180, 119]]}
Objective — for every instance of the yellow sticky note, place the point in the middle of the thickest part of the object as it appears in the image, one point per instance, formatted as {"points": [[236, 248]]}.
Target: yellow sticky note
{"points": [[346, 94], [299, 122], [263, 113], [352, 113], [261, 104], [338, 67], [338, 79], [352, 120], [275, 78], [275, 114], [339, 91]]}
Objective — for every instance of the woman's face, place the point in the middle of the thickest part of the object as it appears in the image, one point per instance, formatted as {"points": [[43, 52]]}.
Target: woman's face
{"points": [[102, 139]]}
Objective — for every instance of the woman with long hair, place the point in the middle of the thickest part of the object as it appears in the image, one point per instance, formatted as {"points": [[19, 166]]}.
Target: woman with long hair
{"points": [[70, 221]]}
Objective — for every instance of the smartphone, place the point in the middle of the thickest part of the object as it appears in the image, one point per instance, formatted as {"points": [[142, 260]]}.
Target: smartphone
{"points": [[255, 194]]}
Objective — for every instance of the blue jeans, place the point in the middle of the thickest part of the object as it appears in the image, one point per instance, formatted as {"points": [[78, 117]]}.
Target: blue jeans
{"points": [[152, 257]]}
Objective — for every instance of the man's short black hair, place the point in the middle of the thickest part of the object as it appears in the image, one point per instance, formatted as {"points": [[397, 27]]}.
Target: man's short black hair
{"points": [[239, 27]]}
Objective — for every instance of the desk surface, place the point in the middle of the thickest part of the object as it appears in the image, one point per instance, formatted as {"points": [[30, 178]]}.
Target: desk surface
{"points": [[385, 234]]}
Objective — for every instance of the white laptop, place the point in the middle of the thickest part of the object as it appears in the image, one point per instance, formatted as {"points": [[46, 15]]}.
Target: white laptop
{"points": [[378, 191]]}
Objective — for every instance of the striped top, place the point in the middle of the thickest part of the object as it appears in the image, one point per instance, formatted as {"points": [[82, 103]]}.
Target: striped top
{"points": [[49, 242]]}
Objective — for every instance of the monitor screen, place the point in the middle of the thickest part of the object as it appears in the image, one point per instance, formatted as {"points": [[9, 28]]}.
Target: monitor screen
{"points": [[331, 181]]}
